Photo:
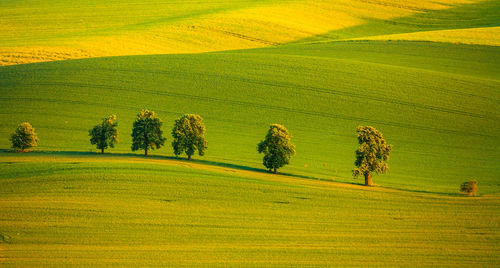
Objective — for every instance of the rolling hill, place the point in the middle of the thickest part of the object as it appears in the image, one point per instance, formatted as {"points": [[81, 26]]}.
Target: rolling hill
{"points": [[78, 209], [34, 31], [425, 73], [436, 103]]}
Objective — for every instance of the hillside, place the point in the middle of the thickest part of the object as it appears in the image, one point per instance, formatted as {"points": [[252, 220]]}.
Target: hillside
{"points": [[436, 103], [34, 31], [426, 73], [133, 211]]}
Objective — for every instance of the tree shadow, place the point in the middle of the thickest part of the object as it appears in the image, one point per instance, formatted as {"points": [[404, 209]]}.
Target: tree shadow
{"points": [[164, 157], [241, 167], [424, 191], [218, 164]]}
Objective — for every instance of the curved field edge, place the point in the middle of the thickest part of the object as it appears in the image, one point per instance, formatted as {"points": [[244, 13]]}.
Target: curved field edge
{"points": [[130, 211], [73, 161], [436, 103], [471, 23], [35, 32], [489, 36]]}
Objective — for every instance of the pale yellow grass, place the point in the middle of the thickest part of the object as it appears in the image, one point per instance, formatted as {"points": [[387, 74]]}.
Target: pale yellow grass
{"points": [[20, 55], [472, 36], [251, 27]]}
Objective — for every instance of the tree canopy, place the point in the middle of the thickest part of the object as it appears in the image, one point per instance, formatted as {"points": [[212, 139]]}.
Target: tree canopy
{"points": [[24, 137], [372, 153], [105, 134], [146, 132], [276, 148], [189, 135], [469, 187]]}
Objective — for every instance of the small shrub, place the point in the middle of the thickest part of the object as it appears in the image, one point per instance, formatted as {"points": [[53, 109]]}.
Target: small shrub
{"points": [[469, 187]]}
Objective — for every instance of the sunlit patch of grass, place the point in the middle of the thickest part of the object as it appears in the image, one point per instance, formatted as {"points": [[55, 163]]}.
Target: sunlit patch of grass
{"points": [[22, 55], [131, 212], [61, 31], [479, 36]]}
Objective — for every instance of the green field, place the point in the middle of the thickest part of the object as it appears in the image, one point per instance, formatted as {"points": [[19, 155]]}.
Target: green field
{"points": [[82, 209], [424, 73], [440, 114]]}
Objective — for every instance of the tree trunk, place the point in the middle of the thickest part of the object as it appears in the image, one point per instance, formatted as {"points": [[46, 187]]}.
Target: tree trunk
{"points": [[275, 171], [189, 157], [146, 142], [102, 150], [368, 179]]}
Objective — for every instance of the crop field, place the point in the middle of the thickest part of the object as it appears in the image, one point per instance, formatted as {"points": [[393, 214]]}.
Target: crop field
{"points": [[136, 211], [424, 73], [442, 115], [34, 31]]}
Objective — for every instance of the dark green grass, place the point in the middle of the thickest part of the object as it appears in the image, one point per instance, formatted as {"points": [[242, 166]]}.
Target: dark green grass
{"points": [[77, 210], [440, 112]]}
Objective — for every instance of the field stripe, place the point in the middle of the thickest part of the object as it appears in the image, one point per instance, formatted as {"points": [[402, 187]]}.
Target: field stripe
{"points": [[269, 107]]}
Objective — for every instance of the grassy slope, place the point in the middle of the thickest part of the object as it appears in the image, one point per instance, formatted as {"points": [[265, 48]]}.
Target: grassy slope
{"points": [[437, 103], [32, 31], [482, 36], [470, 23], [131, 211]]}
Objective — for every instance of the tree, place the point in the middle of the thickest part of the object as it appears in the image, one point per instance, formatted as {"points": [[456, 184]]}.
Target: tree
{"points": [[276, 147], [372, 153], [146, 132], [189, 135], [25, 137], [469, 187], [105, 134]]}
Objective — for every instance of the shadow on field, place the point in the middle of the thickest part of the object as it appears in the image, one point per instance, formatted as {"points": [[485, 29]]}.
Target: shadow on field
{"points": [[458, 16], [208, 163], [425, 192], [160, 157], [246, 168]]}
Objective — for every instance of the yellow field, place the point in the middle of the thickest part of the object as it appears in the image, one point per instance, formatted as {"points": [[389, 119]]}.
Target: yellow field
{"points": [[64, 32], [475, 36]]}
